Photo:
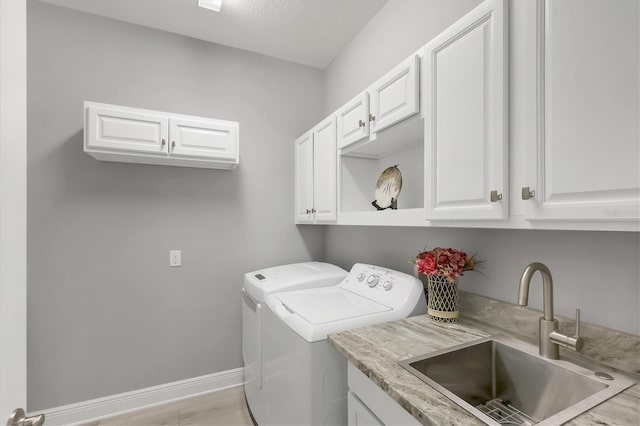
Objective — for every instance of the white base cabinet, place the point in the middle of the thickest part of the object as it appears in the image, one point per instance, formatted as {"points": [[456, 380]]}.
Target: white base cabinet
{"points": [[132, 135], [358, 413], [368, 405]]}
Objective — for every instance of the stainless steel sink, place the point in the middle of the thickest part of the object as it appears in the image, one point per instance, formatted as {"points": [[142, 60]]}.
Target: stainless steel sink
{"points": [[501, 380]]}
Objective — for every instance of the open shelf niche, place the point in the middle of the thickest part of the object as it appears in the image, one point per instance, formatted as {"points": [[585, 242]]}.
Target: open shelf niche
{"points": [[361, 163]]}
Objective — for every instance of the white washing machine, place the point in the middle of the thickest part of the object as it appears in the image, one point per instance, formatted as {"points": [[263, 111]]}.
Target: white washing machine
{"points": [[305, 376], [258, 285]]}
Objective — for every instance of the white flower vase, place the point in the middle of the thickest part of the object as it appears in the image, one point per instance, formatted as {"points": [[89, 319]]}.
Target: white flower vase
{"points": [[442, 304]]}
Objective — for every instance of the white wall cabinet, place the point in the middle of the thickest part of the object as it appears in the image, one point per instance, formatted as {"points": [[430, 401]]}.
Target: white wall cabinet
{"points": [[570, 159], [584, 165], [131, 135], [466, 116], [396, 95], [316, 174], [304, 178], [353, 120], [390, 100]]}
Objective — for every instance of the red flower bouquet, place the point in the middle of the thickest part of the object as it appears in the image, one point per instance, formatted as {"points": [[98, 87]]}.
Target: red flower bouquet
{"points": [[446, 262]]}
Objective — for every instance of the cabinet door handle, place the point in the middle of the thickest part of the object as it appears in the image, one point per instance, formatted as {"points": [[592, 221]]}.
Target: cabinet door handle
{"points": [[527, 193], [164, 142], [308, 211], [173, 145], [361, 123], [372, 117], [496, 196], [313, 210]]}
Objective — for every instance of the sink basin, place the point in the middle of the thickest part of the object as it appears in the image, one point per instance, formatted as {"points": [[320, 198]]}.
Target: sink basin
{"points": [[503, 381]]}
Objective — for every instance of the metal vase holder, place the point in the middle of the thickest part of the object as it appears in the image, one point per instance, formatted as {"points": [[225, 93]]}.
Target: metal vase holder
{"points": [[442, 304]]}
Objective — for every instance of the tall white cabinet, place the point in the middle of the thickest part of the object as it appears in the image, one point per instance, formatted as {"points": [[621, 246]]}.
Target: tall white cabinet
{"points": [[466, 115], [316, 174], [304, 178], [585, 163]]}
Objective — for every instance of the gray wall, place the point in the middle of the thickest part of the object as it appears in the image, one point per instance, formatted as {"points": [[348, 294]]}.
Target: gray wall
{"points": [[597, 271], [400, 28], [594, 271], [105, 312]]}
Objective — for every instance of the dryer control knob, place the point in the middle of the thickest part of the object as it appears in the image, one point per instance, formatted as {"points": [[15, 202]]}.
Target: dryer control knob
{"points": [[387, 285], [361, 276], [372, 280]]}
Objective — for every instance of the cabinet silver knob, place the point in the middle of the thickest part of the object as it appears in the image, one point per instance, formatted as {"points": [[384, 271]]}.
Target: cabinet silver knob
{"points": [[361, 123], [527, 193], [372, 117], [313, 210], [164, 142], [19, 418], [496, 196], [173, 145]]}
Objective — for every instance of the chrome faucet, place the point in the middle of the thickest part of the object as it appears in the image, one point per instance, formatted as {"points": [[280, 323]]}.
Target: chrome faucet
{"points": [[550, 339]]}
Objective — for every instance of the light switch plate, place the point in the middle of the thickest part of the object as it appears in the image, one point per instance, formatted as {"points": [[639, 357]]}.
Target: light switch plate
{"points": [[175, 258]]}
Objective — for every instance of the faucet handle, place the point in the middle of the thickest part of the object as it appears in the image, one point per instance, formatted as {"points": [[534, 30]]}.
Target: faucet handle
{"points": [[574, 342]]}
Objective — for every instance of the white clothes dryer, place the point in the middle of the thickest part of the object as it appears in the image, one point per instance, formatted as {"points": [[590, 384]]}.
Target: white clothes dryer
{"points": [[305, 376], [258, 285]]}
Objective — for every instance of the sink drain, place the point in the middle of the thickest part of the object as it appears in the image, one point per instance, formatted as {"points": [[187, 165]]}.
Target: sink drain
{"points": [[505, 414], [604, 376]]}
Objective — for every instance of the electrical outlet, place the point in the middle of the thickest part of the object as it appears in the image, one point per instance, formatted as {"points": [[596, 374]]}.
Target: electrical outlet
{"points": [[175, 258]]}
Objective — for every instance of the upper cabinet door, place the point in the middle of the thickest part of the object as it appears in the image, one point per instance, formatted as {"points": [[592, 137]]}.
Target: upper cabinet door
{"points": [[304, 178], [585, 164], [396, 95], [353, 120], [125, 129], [206, 139], [325, 171], [465, 109]]}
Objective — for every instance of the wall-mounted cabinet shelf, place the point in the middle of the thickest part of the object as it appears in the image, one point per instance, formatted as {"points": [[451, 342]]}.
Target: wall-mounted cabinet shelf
{"points": [[462, 166], [393, 134], [133, 135]]}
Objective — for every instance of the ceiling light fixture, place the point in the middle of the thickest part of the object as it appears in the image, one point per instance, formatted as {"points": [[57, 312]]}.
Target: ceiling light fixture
{"points": [[211, 4]]}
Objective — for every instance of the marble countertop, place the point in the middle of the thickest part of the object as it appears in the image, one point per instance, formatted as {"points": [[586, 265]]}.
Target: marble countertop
{"points": [[376, 351]]}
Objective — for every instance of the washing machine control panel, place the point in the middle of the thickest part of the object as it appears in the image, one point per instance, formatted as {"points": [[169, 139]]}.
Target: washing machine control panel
{"points": [[373, 280], [386, 286]]}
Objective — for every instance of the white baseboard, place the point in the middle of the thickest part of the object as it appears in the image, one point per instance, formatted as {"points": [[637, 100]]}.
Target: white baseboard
{"points": [[108, 406]]}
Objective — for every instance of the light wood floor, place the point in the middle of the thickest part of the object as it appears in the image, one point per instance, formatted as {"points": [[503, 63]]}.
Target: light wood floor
{"points": [[222, 408]]}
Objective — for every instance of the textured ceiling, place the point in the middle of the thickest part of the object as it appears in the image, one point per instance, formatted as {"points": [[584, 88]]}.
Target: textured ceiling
{"points": [[309, 32]]}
